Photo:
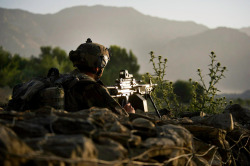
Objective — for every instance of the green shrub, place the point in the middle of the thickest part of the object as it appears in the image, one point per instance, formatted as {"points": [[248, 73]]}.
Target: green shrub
{"points": [[15, 69], [199, 96], [163, 95], [209, 101]]}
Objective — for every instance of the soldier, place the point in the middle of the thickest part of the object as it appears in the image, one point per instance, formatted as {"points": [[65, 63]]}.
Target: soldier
{"points": [[90, 60]]}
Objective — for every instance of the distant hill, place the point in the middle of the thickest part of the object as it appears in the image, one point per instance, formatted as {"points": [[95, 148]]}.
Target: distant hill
{"points": [[185, 44], [231, 46], [20, 33], [246, 30], [23, 32], [245, 95]]}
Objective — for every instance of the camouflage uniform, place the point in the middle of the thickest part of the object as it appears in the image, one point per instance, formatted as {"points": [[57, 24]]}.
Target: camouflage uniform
{"points": [[87, 93]]}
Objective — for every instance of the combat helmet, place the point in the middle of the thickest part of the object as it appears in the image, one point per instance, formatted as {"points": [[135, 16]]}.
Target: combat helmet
{"points": [[90, 55]]}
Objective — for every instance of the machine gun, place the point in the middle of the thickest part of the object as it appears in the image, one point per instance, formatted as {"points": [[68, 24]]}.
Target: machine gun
{"points": [[128, 90]]}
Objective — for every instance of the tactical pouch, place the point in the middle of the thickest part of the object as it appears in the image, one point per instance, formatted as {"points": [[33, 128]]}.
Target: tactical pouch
{"points": [[53, 96]]}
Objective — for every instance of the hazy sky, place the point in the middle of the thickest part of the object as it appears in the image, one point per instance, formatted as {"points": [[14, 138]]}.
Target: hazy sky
{"points": [[212, 13]]}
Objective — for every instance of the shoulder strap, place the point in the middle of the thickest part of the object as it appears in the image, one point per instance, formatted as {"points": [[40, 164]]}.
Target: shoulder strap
{"points": [[67, 81]]}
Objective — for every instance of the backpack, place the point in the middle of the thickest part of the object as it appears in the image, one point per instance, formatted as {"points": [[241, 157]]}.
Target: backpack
{"points": [[42, 91]]}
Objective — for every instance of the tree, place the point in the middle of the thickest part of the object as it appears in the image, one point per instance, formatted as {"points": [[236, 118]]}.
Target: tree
{"points": [[53, 57], [5, 58], [16, 69], [183, 90], [10, 68], [119, 60]]}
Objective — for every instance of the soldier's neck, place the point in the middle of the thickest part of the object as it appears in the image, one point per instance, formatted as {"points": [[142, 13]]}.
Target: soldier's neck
{"points": [[92, 75], [97, 75]]}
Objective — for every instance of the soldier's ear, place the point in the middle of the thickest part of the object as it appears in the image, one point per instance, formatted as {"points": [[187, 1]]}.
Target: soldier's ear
{"points": [[99, 71], [96, 69]]}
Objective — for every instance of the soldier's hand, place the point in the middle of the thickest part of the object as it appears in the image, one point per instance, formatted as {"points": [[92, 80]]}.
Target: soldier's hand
{"points": [[128, 107]]}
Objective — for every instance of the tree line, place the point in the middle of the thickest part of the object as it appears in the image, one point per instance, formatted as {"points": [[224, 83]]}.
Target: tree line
{"points": [[15, 69]]}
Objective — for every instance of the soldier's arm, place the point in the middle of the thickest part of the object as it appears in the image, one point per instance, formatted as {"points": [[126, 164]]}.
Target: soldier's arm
{"points": [[100, 97]]}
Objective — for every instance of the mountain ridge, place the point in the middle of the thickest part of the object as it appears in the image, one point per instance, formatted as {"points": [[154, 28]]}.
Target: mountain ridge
{"points": [[246, 30], [224, 42], [51, 23], [23, 32]]}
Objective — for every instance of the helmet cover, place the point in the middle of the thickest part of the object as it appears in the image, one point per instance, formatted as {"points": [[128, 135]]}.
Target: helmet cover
{"points": [[90, 55]]}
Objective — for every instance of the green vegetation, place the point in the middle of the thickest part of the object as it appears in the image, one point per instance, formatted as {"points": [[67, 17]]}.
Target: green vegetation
{"points": [[242, 102], [176, 97], [209, 101], [16, 69], [120, 59], [184, 90], [188, 95], [163, 94]]}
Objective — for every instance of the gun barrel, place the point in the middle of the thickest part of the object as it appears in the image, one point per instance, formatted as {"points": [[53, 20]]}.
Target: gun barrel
{"points": [[117, 92]]}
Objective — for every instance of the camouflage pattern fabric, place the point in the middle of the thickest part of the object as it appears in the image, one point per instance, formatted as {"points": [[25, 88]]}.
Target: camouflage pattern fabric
{"points": [[87, 93], [90, 54]]}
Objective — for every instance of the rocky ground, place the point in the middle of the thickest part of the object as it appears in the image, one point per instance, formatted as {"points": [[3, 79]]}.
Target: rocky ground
{"points": [[99, 137]]}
